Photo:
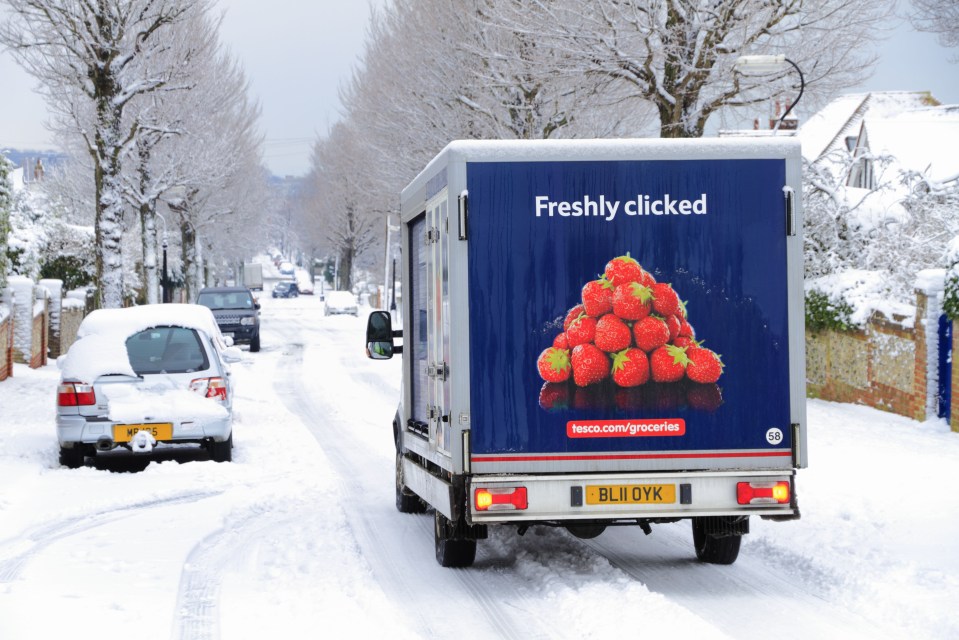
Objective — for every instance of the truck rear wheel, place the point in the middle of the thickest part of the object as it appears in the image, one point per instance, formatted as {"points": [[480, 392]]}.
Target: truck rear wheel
{"points": [[715, 549], [406, 500], [451, 552]]}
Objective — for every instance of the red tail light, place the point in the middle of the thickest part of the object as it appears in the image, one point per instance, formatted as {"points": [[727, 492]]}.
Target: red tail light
{"points": [[210, 388], [762, 492], [501, 498], [74, 394]]}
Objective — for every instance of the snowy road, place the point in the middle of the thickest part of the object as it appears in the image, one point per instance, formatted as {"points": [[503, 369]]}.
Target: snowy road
{"points": [[300, 534]]}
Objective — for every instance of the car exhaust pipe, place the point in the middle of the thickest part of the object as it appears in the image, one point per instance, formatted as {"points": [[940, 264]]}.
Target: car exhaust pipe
{"points": [[105, 443]]}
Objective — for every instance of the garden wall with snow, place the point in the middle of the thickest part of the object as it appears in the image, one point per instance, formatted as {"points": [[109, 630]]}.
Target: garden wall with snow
{"points": [[867, 350]]}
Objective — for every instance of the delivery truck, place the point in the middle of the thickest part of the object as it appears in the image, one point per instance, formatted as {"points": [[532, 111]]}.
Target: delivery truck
{"points": [[600, 333], [253, 276]]}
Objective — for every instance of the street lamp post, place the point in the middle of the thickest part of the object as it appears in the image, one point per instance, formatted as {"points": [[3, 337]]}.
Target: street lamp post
{"points": [[770, 64], [164, 281]]}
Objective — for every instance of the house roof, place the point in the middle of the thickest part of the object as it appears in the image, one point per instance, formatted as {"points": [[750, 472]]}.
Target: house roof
{"points": [[922, 140], [828, 128]]}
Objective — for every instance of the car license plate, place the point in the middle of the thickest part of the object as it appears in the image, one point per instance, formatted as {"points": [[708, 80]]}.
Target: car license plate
{"points": [[631, 494], [228, 335], [160, 431]]}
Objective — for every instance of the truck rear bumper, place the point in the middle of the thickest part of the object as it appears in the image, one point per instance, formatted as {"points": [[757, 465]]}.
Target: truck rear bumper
{"points": [[631, 496]]}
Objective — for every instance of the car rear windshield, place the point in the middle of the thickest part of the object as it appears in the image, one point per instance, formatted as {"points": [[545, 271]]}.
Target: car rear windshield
{"points": [[228, 300], [166, 350]]}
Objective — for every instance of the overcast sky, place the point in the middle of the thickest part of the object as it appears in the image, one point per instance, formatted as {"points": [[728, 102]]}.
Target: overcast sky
{"points": [[297, 54]]}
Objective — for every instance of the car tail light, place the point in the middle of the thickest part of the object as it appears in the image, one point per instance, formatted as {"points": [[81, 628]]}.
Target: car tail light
{"points": [[762, 492], [75, 394], [210, 388], [501, 499]]}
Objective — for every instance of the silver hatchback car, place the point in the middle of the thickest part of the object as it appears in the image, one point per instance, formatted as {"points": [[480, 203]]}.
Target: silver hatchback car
{"points": [[146, 376]]}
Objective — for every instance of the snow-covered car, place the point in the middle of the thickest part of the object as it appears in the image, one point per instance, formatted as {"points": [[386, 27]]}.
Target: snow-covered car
{"points": [[338, 302], [303, 282], [285, 290], [146, 376], [287, 268]]}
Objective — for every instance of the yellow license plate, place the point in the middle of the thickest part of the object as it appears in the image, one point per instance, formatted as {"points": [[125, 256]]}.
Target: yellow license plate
{"points": [[631, 494], [125, 432]]}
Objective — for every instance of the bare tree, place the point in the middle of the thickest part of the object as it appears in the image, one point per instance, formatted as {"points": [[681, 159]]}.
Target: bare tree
{"points": [[940, 17], [679, 55], [90, 57], [350, 225]]}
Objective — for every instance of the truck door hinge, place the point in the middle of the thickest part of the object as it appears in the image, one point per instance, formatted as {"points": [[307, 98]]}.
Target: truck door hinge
{"points": [[790, 196], [432, 413], [438, 370], [433, 235]]}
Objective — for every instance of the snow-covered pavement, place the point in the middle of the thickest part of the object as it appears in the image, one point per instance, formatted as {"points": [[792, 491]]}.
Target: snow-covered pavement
{"points": [[299, 534]]}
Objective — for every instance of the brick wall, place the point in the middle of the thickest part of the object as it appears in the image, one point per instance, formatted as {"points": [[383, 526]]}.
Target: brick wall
{"points": [[6, 344], [882, 366], [38, 344], [71, 315]]}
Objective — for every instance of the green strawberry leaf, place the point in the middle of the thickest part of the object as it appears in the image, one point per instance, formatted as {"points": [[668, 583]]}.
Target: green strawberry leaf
{"points": [[678, 354]]}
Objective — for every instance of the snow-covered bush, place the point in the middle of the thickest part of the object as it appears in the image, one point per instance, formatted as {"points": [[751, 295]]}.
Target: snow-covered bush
{"points": [[894, 231], [6, 201], [950, 301], [846, 300]]}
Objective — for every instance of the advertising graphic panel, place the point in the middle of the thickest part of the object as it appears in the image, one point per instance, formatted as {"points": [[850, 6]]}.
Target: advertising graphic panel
{"points": [[628, 306]]}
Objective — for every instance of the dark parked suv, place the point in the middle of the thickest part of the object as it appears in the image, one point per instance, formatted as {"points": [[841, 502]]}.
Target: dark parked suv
{"points": [[236, 311]]}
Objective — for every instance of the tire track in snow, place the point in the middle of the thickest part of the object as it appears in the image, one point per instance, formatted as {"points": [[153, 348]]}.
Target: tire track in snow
{"points": [[39, 538], [403, 577], [197, 609]]}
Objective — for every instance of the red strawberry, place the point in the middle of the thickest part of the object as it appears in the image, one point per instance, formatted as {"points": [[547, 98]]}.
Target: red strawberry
{"points": [[623, 270], [704, 366], [554, 396], [651, 333], [674, 324], [598, 297], [560, 341], [554, 365], [572, 314], [612, 334], [590, 365], [632, 301], [630, 368], [646, 279], [685, 341], [668, 363], [665, 300], [685, 329], [582, 330]]}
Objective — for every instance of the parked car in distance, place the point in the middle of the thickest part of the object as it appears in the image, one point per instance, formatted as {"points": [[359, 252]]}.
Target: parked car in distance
{"points": [[287, 268], [338, 302], [236, 311], [303, 282], [145, 376], [285, 290]]}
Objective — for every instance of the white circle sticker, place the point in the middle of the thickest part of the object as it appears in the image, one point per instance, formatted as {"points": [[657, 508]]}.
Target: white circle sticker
{"points": [[774, 436]]}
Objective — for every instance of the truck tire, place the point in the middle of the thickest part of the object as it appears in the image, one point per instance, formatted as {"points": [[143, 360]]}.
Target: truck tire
{"points": [[715, 549], [406, 500], [451, 552], [255, 343]]}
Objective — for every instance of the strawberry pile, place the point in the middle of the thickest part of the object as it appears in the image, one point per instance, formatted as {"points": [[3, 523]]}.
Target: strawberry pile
{"points": [[630, 329]]}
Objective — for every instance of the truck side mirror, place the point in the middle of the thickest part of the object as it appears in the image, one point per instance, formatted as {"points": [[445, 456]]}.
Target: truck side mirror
{"points": [[379, 336]]}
